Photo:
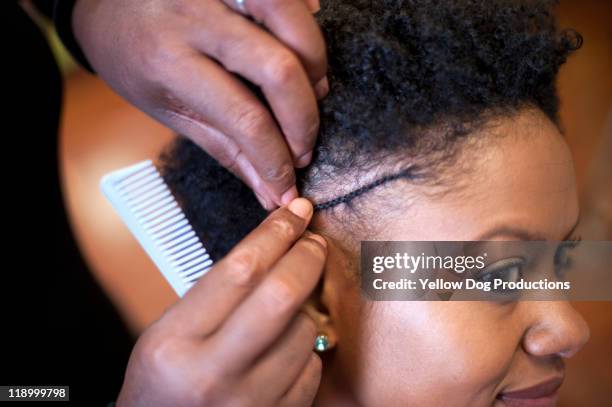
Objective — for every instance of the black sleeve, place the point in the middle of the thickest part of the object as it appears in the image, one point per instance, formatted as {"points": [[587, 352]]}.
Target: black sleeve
{"points": [[62, 17]]}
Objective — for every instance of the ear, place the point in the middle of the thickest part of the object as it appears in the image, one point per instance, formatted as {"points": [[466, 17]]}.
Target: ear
{"points": [[316, 309], [326, 300]]}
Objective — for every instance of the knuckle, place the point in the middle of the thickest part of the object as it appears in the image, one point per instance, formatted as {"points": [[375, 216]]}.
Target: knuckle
{"points": [[314, 248], [281, 296], [163, 357], [283, 68], [159, 352], [282, 174], [261, 10], [207, 390], [184, 9], [253, 122], [283, 228], [242, 268], [155, 60], [208, 385]]}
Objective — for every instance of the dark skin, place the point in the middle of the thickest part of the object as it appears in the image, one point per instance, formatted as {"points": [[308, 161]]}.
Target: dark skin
{"points": [[174, 60], [385, 353], [251, 329], [519, 184], [226, 341]]}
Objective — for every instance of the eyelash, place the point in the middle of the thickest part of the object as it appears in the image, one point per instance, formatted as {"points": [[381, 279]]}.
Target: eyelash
{"points": [[561, 263], [503, 267]]}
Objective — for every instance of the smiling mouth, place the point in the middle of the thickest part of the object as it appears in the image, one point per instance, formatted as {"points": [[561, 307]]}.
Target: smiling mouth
{"points": [[540, 395]]}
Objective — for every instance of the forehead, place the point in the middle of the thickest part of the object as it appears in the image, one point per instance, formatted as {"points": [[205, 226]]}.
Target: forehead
{"points": [[520, 175]]}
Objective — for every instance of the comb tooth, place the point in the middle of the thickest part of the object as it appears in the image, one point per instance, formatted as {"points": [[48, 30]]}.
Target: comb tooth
{"points": [[188, 273], [146, 204], [171, 244], [194, 278], [153, 204], [133, 186], [163, 218], [135, 176], [183, 260], [173, 224], [172, 236], [188, 265], [156, 214], [173, 251], [141, 189], [153, 223], [182, 253], [160, 231], [202, 265], [197, 274], [142, 207], [136, 199], [191, 282]]}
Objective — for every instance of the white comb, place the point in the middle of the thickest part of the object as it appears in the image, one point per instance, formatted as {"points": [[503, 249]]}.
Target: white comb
{"points": [[146, 205]]}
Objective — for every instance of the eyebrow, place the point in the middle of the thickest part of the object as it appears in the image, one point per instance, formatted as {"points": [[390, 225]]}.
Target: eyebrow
{"points": [[521, 234]]}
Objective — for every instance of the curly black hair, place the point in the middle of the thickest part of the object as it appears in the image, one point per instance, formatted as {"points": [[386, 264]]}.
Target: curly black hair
{"points": [[397, 69]]}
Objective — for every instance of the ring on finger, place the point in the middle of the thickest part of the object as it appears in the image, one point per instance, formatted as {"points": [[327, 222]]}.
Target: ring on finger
{"points": [[241, 6]]}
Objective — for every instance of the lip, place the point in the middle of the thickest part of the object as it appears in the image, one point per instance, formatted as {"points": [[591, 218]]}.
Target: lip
{"points": [[543, 394]]}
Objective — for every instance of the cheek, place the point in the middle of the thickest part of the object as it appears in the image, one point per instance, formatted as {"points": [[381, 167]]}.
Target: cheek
{"points": [[433, 352]]}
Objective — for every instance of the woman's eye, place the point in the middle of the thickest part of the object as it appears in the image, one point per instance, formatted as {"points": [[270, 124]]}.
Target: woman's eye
{"points": [[504, 271], [562, 260]]}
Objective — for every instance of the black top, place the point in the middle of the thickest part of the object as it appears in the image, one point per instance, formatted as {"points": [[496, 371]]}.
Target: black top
{"points": [[60, 327]]}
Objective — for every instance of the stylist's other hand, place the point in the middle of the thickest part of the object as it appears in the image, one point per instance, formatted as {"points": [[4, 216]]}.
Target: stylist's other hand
{"points": [[174, 60], [238, 337]]}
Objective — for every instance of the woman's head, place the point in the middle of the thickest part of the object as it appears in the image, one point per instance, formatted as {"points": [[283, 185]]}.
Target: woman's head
{"points": [[412, 84], [441, 124]]}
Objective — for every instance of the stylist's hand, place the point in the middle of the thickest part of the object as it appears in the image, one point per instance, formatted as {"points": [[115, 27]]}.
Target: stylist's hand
{"points": [[237, 338], [174, 60]]}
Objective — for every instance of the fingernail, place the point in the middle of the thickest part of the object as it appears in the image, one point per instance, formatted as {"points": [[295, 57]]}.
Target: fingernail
{"points": [[289, 195], [313, 5], [322, 88], [318, 238], [304, 160], [301, 207]]}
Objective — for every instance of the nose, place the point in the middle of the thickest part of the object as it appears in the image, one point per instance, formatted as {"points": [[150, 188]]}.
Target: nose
{"points": [[558, 330]]}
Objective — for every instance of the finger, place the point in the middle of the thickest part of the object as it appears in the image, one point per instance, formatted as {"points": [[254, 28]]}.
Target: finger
{"points": [[215, 296], [264, 314], [291, 21], [203, 91], [289, 355], [306, 386], [313, 5], [246, 49], [221, 148]]}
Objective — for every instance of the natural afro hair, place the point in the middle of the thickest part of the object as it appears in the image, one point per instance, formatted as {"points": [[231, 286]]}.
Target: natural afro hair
{"points": [[396, 69]]}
